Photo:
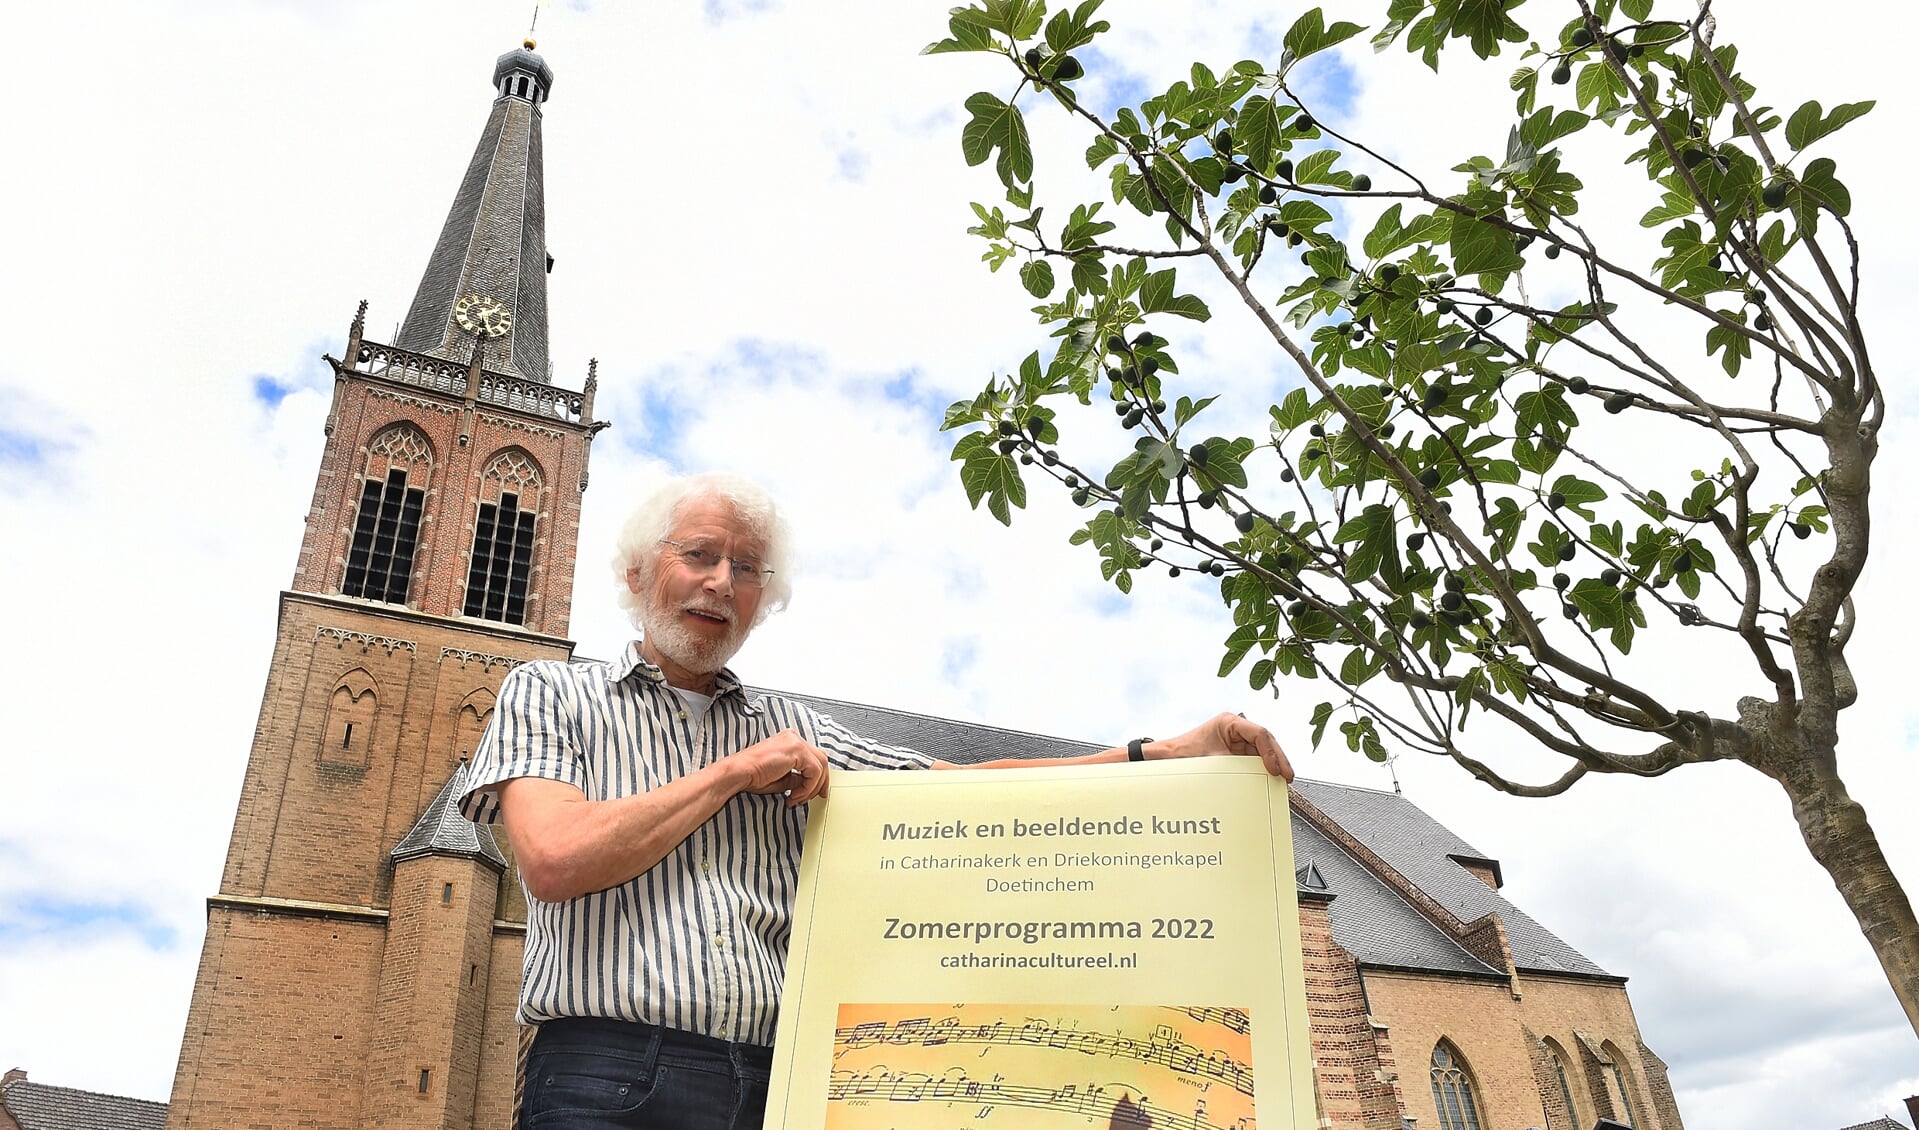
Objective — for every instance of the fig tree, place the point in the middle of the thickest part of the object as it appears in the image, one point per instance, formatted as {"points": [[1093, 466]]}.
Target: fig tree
{"points": [[1068, 69], [1429, 478], [1567, 551], [1268, 194], [1618, 402], [1561, 581], [1362, 183], [1244, 523], [1484, 317], [1562, 74], [1774, 194]]}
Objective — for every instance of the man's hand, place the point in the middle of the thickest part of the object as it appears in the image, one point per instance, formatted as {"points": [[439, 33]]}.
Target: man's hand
{"points": [[783, 763], [1225, 735]]}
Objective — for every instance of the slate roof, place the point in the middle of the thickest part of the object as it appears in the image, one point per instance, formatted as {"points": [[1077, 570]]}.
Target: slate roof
{"points": [[441, 830], [1880, 1123], [36, 1106], [1420, 848], [1368, 918], [494, 240]]}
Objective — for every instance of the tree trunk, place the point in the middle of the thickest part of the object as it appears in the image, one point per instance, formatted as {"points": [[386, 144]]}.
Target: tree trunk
{"points": [[1836, 832]]}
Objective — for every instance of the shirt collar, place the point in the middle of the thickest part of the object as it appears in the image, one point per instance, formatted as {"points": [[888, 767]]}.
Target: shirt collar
{"points": [[631, 664]]}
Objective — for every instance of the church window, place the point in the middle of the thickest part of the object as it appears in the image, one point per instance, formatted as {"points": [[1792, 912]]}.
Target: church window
{"points": [[446, 894], [502, 562], [1453, 1089], [379, 564], [426, 1080], [1565, 1086], [1619, 1083], [349, 720]]}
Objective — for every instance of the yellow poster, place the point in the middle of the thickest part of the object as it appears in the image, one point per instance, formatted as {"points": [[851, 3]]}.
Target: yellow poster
{"points": [[1111, 947]]}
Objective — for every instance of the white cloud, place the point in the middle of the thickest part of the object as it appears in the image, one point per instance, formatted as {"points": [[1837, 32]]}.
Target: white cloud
{"points": [[187, 229]]}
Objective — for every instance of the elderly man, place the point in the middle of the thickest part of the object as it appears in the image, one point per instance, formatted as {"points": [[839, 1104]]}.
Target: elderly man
{"points": [[656, 813]]}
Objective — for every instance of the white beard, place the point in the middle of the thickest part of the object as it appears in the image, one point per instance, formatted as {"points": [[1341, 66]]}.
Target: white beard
{"points": [[698, 654]]}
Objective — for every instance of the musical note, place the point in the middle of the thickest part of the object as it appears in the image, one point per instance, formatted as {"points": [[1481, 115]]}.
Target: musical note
{"points": [[1074, 1067]]}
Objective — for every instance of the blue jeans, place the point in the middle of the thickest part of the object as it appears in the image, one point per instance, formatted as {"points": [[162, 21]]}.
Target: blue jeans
{"points": [[588, 1074]]}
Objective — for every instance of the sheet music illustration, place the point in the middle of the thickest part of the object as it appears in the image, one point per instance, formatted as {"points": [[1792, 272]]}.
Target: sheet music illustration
{"points": [[1052, 1067]]}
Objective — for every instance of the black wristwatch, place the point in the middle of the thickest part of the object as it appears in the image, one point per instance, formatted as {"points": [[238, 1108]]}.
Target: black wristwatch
{"points": [[1136, 749]]}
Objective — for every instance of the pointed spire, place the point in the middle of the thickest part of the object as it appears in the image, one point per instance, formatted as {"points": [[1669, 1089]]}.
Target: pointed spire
{"points": [[441, 830], [487, 275]]}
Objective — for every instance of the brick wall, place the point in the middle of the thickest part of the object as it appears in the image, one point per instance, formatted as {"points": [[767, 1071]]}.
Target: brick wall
{"points": [[281, 1018]]}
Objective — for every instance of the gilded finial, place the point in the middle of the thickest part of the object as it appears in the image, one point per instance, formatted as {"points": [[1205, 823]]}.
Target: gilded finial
{"points": [[530, 43]]}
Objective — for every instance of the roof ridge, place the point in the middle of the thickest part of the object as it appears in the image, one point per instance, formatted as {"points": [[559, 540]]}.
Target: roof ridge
{"points": [[899, 713], [23, 1082]]}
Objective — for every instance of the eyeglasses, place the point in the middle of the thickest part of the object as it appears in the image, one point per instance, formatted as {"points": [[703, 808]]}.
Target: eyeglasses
{"points": [[701, 557]]}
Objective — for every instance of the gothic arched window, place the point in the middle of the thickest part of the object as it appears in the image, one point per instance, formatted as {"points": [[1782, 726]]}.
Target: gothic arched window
{"points": [[349, 719], [1615, 1057], [1558, 1056], [379, 564], [502, 562], [472, 717], [1453, 1089]]}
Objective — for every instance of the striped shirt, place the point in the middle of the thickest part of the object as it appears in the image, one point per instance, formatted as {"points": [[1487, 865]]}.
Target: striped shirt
{"points": [[699, 941]]}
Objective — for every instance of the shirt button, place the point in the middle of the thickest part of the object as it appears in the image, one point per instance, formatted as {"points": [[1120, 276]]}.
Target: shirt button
{"points": [[719, 941]]}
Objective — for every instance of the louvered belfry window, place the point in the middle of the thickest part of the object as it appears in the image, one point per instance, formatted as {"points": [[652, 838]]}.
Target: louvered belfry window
{"points": [[502, 561], [500, 569], [386, 531]]}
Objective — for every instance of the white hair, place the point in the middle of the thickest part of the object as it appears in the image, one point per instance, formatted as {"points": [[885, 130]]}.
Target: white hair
{"points": [[637, 547]]}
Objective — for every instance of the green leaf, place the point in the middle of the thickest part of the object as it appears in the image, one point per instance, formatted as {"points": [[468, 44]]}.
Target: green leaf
{"points": [[1322, 714], [1479, 247], [1737, 346], [1817, 181], [995, 477], [1374, 530], [1673, 206], [998, 125], [1037, 276], [1579, 494], [1806, 126], [1156, 296], [1258, 131], [1065, 30], [1310, 35], [968, 35]]}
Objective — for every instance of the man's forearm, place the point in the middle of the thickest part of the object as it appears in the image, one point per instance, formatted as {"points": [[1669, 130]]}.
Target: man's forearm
{"points": [[567, 846]]}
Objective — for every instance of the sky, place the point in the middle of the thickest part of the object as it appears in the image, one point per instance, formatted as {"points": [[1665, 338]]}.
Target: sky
{"points": [[758, 215]]}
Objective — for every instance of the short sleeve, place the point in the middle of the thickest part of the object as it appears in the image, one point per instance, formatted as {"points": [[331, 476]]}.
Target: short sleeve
{"points": [[847, 750], [844, 749], [532, 734]]}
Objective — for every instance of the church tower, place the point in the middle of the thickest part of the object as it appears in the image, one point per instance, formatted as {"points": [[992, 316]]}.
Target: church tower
{"points": [[362, 956]]}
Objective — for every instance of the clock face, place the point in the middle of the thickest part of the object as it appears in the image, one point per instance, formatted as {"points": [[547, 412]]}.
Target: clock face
{"points": [[483, 315]]}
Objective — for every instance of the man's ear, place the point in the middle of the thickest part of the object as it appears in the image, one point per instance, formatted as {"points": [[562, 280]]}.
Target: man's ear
{"points": [[634, 581]]}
